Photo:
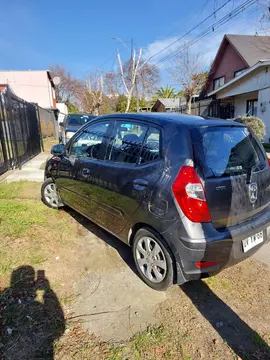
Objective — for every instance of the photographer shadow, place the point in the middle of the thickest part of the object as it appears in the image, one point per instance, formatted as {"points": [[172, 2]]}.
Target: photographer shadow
{"points": [[31, 317]]}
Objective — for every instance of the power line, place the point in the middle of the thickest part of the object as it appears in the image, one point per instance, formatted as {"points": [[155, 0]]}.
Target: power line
{"points": [[210, 29], [200, 10], [187, 33]]}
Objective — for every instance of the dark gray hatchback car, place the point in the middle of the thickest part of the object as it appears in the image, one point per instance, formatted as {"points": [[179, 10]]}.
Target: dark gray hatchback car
{"points": [[190, 195]]}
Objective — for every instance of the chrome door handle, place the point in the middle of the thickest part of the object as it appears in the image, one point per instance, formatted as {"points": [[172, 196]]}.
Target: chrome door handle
{"points": [[140, 184], [85, 172]]}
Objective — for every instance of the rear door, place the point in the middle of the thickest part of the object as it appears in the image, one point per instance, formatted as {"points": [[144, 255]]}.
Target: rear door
{"points": [[133, 166], [235, 170]]}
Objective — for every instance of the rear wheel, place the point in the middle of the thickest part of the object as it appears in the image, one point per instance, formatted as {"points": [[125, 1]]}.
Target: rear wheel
{"points": [[153, 259], [49, 194]]}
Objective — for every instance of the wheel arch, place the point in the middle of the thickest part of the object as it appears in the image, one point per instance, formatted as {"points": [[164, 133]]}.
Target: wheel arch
{"points": [[134, 229]]}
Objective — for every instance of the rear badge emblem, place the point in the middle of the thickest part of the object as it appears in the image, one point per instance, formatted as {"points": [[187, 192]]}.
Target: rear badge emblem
{"points": [[253, 192]]}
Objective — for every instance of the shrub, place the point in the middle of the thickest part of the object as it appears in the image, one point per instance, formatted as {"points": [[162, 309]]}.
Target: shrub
{"points": [[254, 123]]}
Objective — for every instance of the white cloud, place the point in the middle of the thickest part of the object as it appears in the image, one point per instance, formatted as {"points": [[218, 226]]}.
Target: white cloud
{"points": [[247, 22], [158, 45]]}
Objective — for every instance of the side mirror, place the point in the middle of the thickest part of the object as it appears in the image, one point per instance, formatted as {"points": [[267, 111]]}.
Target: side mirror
{"points": [[57, 149], [61, 124]]}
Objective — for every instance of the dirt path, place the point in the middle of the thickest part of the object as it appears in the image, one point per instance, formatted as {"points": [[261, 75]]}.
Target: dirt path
{"points": [[109, 312]]}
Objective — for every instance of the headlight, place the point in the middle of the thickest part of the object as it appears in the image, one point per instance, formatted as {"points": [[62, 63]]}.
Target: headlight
{"points": [[69, 134]]}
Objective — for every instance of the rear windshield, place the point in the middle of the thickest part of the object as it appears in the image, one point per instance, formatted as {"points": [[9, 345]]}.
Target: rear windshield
{"points": [[78, 119], [226, 151]]}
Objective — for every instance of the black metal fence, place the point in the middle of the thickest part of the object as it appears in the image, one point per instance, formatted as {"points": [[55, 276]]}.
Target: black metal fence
{"points": [[20, 138]]}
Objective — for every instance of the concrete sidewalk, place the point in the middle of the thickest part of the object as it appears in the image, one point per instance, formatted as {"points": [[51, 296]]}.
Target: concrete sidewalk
{"points": [[31, 170]]}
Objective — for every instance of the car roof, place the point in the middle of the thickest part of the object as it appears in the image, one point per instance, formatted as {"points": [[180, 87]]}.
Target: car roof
{"points": [[163, 119], [81, 114]]}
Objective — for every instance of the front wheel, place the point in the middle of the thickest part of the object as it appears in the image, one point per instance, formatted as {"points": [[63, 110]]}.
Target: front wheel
{"points": [[49, 194], [153, 260]]}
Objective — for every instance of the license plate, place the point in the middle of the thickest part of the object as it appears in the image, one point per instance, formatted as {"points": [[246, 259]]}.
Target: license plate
{"points": [[252, 241]]}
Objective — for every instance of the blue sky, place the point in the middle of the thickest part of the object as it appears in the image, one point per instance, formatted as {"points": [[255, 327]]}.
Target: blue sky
{"points": [[77, 34]]}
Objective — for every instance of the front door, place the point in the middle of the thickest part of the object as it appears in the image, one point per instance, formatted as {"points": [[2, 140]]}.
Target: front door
{"points": [[78, 170]]}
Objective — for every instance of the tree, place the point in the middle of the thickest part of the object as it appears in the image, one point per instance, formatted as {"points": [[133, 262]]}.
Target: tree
{"points": [[66, 90], [129, 79], [121, 103], [187, 69], [71, 107], [91, 94], [254, 123], [167, 92], [146, 80]]}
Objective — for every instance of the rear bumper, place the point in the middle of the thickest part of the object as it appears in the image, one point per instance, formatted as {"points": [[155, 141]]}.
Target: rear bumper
{"points": [[224, 247]]}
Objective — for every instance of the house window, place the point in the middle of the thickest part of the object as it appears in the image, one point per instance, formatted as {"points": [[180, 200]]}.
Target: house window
{"points": [[239, 72], [252, 106], [219, 82]]}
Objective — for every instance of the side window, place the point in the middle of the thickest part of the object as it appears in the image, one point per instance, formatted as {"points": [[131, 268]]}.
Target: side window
{"points": [[151, 146], [126, 144], [91, 142]]}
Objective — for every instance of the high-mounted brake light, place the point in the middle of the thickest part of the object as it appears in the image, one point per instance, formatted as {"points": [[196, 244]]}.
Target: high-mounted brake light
{"points": [[190, 196]]}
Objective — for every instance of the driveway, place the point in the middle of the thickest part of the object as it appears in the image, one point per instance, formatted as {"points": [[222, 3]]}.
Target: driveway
{"points": [[92, 277], [263, 255]]}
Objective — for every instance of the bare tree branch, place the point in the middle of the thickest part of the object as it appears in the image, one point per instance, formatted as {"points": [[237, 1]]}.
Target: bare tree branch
{"points": [[189, 71]]}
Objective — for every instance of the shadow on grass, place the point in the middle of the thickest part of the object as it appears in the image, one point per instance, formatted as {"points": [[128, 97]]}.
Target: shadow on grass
{"points": [[244, 341], [31, 317]]}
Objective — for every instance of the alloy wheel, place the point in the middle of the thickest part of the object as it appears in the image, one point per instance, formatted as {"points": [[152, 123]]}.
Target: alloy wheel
{"points": [[51, 196], [151, 259]]}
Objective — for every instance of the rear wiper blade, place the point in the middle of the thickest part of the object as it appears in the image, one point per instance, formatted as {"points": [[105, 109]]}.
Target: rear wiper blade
{"points": [[254, 168]]}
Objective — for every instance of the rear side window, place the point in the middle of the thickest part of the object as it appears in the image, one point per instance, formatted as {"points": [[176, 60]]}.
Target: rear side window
{"points": [[151, 146], [127, 143], [134, 143], [226, 151]]}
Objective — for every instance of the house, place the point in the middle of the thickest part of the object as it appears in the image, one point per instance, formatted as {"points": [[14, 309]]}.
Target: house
{"points": [[32, 86], [169, 105], [239, 82]]}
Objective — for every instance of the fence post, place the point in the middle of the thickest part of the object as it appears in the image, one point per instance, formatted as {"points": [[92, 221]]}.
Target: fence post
{"points": [[13, 130], [55, 125], [6, 132]]}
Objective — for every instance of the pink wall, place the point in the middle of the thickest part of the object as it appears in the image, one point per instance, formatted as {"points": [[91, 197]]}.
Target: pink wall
{"points": [[229, 63]]}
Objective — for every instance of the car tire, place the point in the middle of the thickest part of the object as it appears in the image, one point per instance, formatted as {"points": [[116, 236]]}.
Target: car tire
{"points": [[153, 259], [49, 195]]}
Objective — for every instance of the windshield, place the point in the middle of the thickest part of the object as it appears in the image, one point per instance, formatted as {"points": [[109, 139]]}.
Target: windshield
{"points": [[78, 119], [226, 151]]}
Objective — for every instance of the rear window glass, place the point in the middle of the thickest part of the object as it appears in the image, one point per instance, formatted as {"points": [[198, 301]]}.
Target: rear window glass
{"points": [[78, 119], [226, 151]]}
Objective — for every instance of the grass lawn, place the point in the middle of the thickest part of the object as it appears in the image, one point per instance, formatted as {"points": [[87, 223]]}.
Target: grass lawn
{"points": [[48, 143], [41, 256]]}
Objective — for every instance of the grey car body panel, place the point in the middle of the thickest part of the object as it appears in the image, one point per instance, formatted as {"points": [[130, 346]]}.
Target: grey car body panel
{"points": [[156, 208]]}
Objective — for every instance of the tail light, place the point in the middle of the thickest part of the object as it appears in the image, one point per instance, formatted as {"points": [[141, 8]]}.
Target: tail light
{"points": [[268, 162], [190, 196]]}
